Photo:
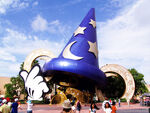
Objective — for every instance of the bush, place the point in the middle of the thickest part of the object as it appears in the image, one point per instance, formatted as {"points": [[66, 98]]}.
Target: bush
{"points": [[134, 101], [22, 101], [123, 100], [38, 102]]}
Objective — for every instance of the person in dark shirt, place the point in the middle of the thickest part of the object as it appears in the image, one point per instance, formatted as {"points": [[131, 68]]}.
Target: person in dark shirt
{"points": [[78, 106], [15, 106]]}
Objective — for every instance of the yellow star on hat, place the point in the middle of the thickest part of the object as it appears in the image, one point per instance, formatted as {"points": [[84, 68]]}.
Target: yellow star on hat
{"points": [[93, 23], [79, 30], [93, 48]]}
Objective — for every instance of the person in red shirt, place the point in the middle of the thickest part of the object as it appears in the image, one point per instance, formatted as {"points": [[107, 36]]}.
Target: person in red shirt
{"points": [[114, 109]]}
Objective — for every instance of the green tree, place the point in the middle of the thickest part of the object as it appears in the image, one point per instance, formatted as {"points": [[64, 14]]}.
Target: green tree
{"points": [[140, 86], [9, 90], [116, 85], [16, 85]]}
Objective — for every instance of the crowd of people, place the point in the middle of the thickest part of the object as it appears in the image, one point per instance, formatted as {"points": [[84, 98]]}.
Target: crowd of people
{"points": [[12, 106], [108, 106], [9, 106]]}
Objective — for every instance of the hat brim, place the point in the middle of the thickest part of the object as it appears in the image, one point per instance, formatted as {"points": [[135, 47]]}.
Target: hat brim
{"points": [[77, 68]]}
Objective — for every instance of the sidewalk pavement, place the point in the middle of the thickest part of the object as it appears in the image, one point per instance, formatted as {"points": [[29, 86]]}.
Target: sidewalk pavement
{"points": [[85, 108]]}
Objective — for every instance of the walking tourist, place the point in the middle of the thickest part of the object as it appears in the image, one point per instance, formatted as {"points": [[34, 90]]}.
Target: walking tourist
{"points": [[4, 108], [107, 108], [73, 108], [78, 106], [67, 107], [19, 105], [110, 101], [119, 102], [29, 106], [103, 104], [15, 106], [113, 107], [9, 103], [93, 108], [115, 101]]}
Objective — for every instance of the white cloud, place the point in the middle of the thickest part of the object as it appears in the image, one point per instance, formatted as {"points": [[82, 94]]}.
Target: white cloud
{"points": [[7, 56], [56, 27], [55, 22], [9, 68], [2, 10], [19, 43], [39, 24], [4, 4], [8, 4], [16, 46], [71, 2], [35, 3], [121, 3], [23, 5], [125, 40]]}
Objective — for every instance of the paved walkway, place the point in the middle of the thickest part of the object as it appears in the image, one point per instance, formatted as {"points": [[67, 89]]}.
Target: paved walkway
{"points": [[133, 108]]}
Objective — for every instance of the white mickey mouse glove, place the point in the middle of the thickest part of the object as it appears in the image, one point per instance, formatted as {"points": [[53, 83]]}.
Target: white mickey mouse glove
{"points": [[34, 83]]}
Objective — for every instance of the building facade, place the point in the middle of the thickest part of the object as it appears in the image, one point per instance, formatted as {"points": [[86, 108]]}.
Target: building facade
{"points": [[3, 81]]}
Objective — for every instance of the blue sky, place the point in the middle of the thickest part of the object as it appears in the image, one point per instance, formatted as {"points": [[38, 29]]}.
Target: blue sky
{"points": [[122, 30]]}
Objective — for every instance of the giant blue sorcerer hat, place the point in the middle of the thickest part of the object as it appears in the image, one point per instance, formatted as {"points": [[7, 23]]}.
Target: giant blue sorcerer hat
{"points": [[80, 55]]}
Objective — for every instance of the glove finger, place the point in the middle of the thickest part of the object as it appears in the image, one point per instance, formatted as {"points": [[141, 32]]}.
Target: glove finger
{"points": [[34, 72], [24, 75], [32, 92], [29, 90], [38, 79], [35, 82], [44, 86]]}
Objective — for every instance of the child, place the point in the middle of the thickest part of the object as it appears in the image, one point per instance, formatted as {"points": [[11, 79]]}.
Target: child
{"points": [[78, 106], [107, 108], [114, 107], [29, 106], [93, 108]]}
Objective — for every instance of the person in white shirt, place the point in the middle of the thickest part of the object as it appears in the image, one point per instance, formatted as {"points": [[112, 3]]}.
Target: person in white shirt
{"points": [[29, 106], [103, 104], [119, 102], [107, 108], [73, 109]]}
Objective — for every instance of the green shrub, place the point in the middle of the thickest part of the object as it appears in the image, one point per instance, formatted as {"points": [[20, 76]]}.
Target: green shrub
{"points": [[123, 100]]}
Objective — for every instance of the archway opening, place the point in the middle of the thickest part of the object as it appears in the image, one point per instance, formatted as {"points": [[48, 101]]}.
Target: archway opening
{"points": [[115, 86]]}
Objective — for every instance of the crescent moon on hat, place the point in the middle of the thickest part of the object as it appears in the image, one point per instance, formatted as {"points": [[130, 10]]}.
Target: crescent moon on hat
{"points": [[67, 53]]}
